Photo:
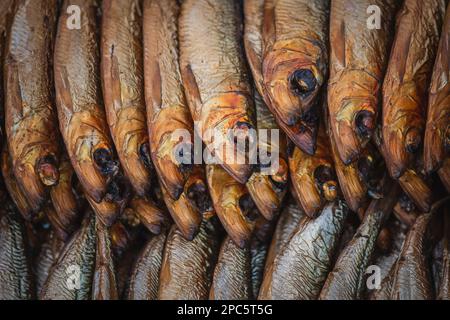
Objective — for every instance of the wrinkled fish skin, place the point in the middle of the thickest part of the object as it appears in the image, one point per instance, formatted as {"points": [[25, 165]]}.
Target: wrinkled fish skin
{"points": [[167, 110], [407, 78], [123, 88], [436, 142], [144, 278], [357, 55], [188, 266], [295, 55], [287, 224], [76, 260], [346, 281], [82, 118], [46, 259], [301, 267], [215, 77], [30, 114], [386, 261], [104, 283], [412, 275], [258, 250], [15, 273], [232, 278]]}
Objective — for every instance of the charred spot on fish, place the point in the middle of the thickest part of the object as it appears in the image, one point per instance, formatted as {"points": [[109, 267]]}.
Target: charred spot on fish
{"points": [[302, 83], [406, 203], [312, 116], [144, 155], [200, 196], [104, 160], [325, 178], [117, 190], [365, 166], [413, 140], [365, 123], [290, 149], [48, 170], [246, 203], [278, 185]]}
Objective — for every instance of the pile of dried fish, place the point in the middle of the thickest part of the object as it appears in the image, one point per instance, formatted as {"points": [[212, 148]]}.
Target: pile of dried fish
{"points": [[339, 111]]}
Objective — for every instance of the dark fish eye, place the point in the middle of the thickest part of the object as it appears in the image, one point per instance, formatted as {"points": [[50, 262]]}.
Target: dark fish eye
{"points": [[302, 82]]}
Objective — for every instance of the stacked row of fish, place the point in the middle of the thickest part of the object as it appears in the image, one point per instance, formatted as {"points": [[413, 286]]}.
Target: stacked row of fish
{"points": [[98, 205]]}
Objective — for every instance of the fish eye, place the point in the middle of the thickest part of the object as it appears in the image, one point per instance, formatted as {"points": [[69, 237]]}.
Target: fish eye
{"points": [[302, 82]]}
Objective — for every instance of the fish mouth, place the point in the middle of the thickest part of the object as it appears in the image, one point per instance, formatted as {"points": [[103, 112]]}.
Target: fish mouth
{"points": [[117, 190], [103, 158], [198, 194], [326, 182], [48, 170]]}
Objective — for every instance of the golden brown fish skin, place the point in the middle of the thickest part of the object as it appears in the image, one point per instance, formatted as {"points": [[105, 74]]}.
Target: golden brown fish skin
{"points": [[220, 99], [414, 185], [123, 88], [63, 199], [16, 194], [411, 275], [405, 210], [144, 278], [104, 285], [303, 132], [357, 55], [301, 267], [232, 278], [313, 178], [82, 118], [232, 203], [185, 215], [437, 133], [54, 218], [106, 211], [268, 188], [349, 176], [406, 83], [295, 55], [287, 224], [15, 273], [346, 281], [267, 191], [30, 115], [6, 10], [79, 251], [188, 266], [167, 110], [152, 217]]}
